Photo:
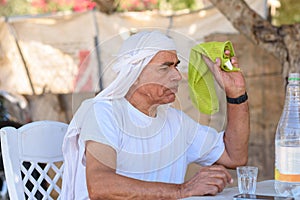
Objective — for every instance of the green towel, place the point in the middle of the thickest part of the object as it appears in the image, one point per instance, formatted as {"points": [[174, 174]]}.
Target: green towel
{"points": [[201, 80]]}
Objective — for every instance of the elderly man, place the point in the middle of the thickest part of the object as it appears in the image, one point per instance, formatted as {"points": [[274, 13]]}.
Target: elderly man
{"points": [[128, 143]]}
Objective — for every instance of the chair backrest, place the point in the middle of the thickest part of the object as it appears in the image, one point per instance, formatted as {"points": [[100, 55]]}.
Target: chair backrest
{"points": [[33, 160]]}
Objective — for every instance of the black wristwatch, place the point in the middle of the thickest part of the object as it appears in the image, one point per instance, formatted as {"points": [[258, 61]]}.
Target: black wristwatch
{"points": [[238, 100]]}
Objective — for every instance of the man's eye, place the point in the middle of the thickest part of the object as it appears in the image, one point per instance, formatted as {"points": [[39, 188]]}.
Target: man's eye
{"points": [[164, 67]]}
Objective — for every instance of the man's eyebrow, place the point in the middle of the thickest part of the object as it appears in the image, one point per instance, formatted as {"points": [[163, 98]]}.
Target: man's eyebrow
{"points": [[171, 63]]}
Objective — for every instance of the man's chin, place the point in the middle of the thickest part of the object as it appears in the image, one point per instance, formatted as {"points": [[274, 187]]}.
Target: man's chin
{"points": [[171, 98]]}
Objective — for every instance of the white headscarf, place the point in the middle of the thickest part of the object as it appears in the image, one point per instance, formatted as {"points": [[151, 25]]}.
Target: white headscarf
{"points": [[135, 53]]}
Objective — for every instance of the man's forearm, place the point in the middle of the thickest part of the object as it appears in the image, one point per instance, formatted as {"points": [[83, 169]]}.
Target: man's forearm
{"points": [[104, 183], [118, 187], [110, 186], [237, 133]]}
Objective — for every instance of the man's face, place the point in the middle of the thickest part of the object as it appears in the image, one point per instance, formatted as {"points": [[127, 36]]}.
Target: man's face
{"points": [[159, 80]]}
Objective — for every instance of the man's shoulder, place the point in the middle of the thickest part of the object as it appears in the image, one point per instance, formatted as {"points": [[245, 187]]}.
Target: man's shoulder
{"points": [[102, 102], [103, 106], [92, 106]]}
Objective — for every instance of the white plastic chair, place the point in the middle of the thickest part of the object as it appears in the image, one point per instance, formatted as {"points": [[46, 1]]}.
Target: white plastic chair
{"points": [[33, 160]]}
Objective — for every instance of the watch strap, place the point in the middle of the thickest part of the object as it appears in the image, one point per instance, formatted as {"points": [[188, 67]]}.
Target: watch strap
{"points": [[238, 100]]}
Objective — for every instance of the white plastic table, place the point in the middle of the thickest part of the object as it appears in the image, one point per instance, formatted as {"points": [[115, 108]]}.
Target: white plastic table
{"points": [[262, 188]]}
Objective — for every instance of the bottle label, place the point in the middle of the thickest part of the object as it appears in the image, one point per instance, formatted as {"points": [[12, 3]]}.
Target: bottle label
{"points": [[286, 177], [287, 163]]}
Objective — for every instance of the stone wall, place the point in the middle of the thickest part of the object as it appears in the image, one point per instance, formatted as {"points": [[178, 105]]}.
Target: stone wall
{"points": [[265, 87]]}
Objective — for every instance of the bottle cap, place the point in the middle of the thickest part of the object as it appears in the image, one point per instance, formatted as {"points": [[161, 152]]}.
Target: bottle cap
{"points": [[294, 77]]}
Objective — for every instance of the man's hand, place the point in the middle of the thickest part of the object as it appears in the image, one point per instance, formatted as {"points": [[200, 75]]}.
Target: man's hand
{"points": [[232, 82], [208, 181]]}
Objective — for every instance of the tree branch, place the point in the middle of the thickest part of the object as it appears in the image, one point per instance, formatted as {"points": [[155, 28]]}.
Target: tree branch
{"points": [[254, 27]]}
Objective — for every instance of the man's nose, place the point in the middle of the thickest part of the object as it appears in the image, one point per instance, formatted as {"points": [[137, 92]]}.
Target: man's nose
{"points": [[176, 76]]}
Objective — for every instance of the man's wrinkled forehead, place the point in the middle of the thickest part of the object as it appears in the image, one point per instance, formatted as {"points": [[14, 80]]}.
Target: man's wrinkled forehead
{"points": [[166, 56]]}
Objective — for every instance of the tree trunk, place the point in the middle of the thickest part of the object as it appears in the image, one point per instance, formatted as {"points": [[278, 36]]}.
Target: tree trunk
{"points": [[283, 42], [106, 6]]}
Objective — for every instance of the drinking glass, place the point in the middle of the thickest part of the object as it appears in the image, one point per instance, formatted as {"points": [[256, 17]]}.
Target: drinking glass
{"points": [[247, 176]]}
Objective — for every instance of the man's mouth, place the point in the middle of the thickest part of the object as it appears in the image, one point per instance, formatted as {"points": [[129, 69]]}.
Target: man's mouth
{"points": [[174, 89]]}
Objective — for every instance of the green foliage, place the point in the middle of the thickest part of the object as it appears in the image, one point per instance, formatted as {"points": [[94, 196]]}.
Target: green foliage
{"points": [[287, 13], [14, 7], [177, 4], [137, 5], [140, 5]]}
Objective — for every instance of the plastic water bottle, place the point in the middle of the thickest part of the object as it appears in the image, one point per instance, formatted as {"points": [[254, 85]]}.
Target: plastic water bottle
{"points": [[287, 142]]}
